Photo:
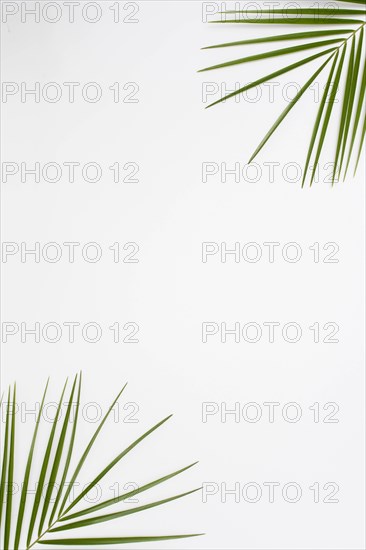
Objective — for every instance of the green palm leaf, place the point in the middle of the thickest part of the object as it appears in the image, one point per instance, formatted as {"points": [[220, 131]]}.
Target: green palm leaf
{"points": [[347, 35], [281, 37], [295, 21], [10, 477], [23, 497], [59, 449], [114, 540], [354, 1], [329, 12], [5, 457]]}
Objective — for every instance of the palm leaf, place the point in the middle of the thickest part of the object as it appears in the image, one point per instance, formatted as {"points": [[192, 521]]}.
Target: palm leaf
{"points": [[354, 1], [329, 12], [9, 488], [5, 454], [295, 21], [114, 540], [23, 497], [281, 37], [348, 28], [59, 449]]}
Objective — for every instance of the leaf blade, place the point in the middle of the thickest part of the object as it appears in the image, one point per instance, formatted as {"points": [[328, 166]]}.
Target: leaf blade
{"points": [[318, 118], [130, 494], [301, 11], [358, 106], [23, 497], [270, 76], [87, 450], [56, 461], [345, 108], [287, 110], [273, 53], [37, 497], [5, 457], [281, 37], [328, 111], [9, 495], [294, 21], [113, 540], [114, 462], [116, 515], [69, 455]]}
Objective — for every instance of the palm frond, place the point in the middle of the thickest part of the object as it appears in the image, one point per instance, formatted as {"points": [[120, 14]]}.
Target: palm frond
{"points": [[53, 473], [347, 49]]}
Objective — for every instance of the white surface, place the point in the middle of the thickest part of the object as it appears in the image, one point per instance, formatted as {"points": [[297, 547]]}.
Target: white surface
{"points": [[170, 292]]}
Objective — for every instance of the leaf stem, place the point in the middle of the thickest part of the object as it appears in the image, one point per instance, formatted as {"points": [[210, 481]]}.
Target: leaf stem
{"points": [[46, 531]]}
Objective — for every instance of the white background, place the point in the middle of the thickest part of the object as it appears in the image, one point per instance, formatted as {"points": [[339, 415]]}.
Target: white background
{"points": [[171, 292]]}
